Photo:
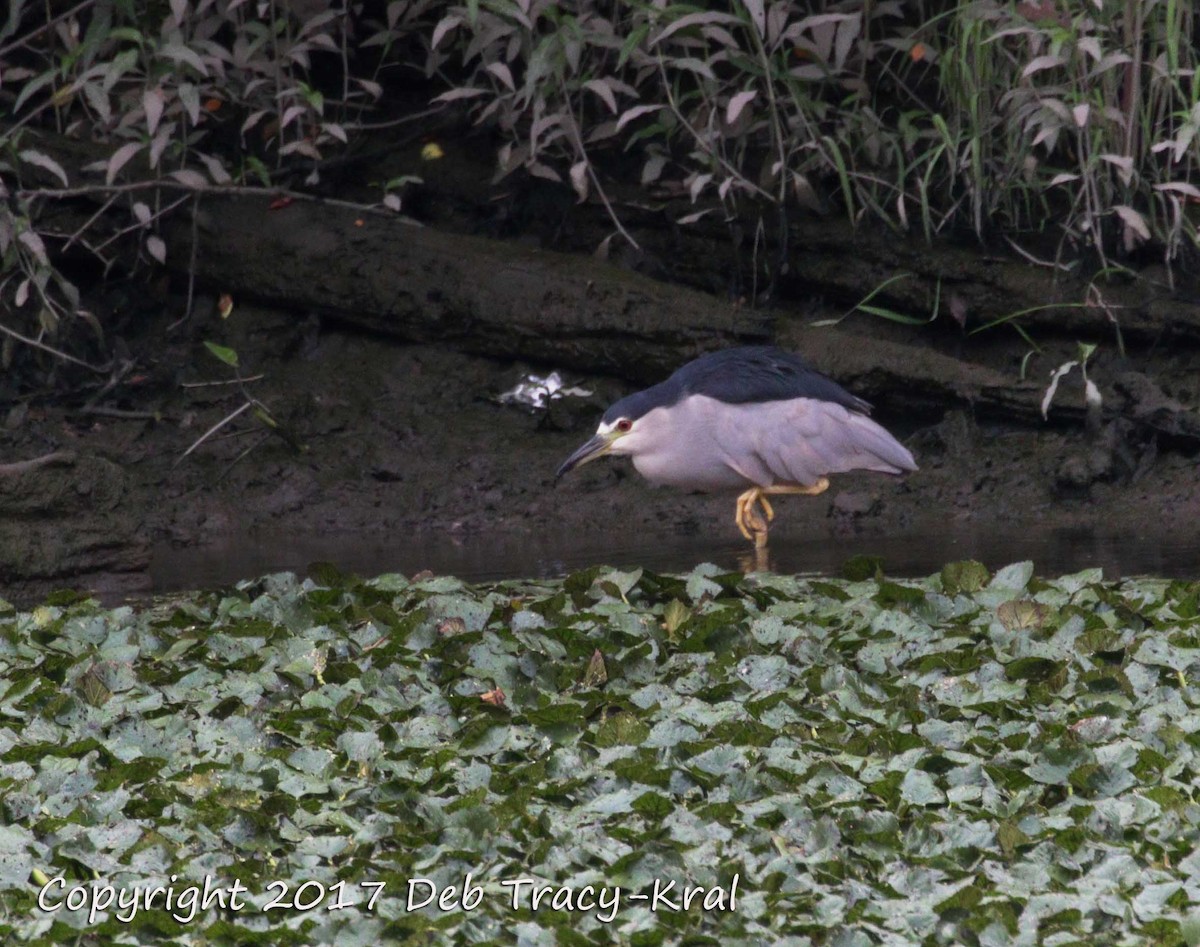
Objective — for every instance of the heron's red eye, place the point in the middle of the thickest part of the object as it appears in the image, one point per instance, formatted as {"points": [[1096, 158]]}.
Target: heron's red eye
{"points": [[624, 425]]}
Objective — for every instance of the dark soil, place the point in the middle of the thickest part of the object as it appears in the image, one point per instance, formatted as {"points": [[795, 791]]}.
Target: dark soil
{"points": [[402, 442]]}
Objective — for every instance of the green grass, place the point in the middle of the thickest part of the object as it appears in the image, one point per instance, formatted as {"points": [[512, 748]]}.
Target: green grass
{"points": [[968, 759]]}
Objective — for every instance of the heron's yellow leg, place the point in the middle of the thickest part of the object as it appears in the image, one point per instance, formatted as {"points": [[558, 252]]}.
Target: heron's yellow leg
{"points": [[752, 525], [815, 490], [748, 520], [739, 515], [757, 561]]}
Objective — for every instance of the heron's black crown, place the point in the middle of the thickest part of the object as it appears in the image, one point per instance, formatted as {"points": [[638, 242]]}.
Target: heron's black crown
{"points": [[753, 374]]}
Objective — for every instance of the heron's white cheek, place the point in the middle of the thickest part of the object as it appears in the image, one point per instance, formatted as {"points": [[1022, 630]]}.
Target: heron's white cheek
{"points": [[627, 444]]}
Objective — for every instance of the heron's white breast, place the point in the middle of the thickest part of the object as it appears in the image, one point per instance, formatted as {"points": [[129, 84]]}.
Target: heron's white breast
{"points": [[680, 446]]}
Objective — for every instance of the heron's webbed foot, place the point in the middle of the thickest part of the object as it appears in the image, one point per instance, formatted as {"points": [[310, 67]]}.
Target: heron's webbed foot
{"points": [[753, 526]]}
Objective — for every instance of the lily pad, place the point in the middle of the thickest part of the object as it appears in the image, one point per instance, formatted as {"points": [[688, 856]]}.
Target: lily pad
{"points": [[965, 758]]}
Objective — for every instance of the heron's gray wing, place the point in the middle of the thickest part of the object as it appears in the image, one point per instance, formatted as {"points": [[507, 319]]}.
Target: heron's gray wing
{"points": [[802, 440]]}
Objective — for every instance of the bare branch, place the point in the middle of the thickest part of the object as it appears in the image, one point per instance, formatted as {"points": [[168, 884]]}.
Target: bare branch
{"points": [[24, 466], [213, 430], [168, 184], [98, 369], [215, 384]]}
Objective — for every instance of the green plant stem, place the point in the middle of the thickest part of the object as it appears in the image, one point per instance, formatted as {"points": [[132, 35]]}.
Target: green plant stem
{"points": [[573, 129], [704, 145], [49, 24]]}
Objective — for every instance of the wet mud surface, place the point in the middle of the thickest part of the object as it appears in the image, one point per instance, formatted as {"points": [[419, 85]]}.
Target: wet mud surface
{"points": [[404, 447]]}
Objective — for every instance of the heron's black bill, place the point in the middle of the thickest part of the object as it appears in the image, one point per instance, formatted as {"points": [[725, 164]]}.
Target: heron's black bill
{"points": [[597, 447]]}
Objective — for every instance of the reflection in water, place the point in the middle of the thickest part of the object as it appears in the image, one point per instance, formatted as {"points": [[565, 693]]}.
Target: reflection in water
{"points": [[482, 558]]}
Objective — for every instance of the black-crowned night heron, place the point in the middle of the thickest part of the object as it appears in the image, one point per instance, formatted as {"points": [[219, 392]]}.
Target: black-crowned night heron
{"points": [[756, 418]]}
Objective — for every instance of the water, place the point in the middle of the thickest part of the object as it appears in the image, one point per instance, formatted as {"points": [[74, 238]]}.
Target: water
{"points": [[483, 558]]}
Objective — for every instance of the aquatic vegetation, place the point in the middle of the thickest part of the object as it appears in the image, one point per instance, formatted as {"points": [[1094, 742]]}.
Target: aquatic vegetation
{"points": [[973, 758]]}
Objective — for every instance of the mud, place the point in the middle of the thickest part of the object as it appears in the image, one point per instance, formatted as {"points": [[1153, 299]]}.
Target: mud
{"points": [[403, 443]]}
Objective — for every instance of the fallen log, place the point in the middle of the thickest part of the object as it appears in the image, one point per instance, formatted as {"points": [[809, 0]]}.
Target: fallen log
{"points": [[385, 274], [390, 275], [906, 379]]}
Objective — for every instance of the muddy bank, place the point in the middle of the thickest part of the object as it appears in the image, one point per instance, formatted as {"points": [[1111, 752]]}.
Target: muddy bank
{"points": [[396, 439], [399, 443]]}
